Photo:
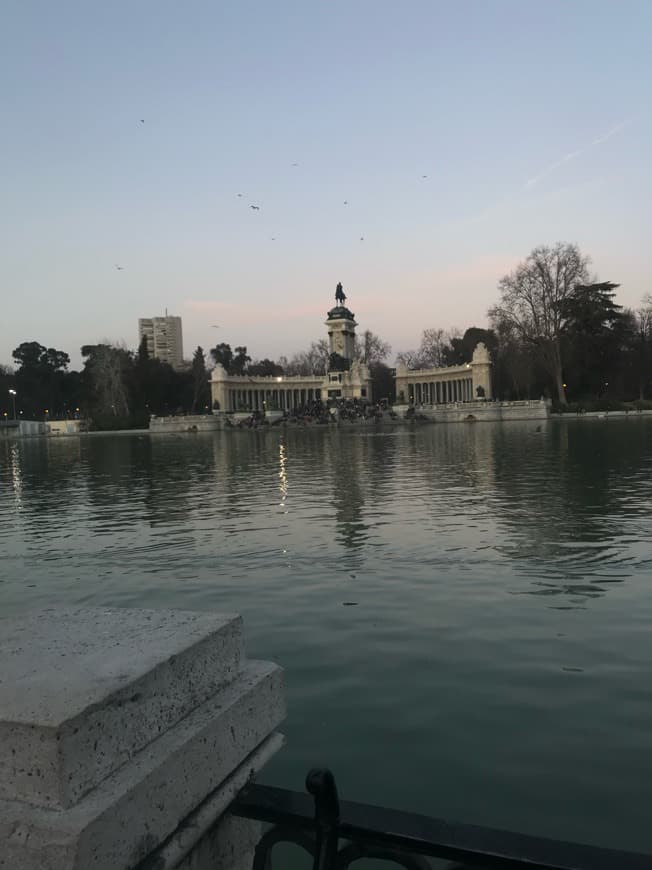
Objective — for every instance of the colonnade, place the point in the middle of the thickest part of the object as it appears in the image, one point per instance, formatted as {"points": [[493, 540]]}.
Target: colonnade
{"points": [[246, 399], [441, 392]]}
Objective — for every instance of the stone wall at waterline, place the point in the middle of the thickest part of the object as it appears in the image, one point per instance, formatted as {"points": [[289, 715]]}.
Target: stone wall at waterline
{"points": [[469, 412], [189, 423]]}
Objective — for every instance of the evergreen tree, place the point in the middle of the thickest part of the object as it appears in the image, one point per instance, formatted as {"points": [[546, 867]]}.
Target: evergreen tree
{"points": [[200, 386]]}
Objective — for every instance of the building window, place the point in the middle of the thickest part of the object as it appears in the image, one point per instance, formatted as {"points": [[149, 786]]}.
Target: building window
{"points": [[363, 392]]}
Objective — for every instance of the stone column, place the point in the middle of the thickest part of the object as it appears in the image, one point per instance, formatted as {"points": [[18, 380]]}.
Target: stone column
{"points": [[124, 737], [219, 388], [481, 367], [401, 383]]}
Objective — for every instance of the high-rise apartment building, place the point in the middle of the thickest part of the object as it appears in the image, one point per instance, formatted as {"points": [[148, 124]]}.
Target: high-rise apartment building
{"points": [[163, 337]]}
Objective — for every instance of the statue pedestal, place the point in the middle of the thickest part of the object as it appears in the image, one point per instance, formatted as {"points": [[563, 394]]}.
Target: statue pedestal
{"points": [[125, 735]]}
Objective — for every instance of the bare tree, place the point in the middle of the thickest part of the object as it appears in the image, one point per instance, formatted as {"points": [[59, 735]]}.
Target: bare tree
{"points": [[532, 301], [514, 369], [313, 361], [433, 345], [106, 366], [644, 316], [370, 348], [409, 358], [642, 322], [434, 350], [318, 355]]}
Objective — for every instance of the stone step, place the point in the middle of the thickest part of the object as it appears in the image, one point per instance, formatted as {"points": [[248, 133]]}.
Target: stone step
{"points": [[137, 808], [82, 690]]}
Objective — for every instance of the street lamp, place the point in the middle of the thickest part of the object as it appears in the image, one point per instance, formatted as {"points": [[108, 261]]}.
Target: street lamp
{"points": [[12, 393]]}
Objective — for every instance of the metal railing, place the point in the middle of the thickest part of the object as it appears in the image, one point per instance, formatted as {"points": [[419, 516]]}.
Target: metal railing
{"points": [[336, 834]]}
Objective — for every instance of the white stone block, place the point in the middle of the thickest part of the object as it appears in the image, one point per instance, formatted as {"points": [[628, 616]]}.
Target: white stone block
{"points": [[82, 690], [130, 813]]}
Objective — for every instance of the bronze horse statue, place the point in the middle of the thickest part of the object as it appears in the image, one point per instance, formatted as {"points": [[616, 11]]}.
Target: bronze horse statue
{"points": [[340, 295]]}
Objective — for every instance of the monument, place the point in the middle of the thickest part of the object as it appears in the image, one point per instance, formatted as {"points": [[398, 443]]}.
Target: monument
{"points": [[347, 377]]}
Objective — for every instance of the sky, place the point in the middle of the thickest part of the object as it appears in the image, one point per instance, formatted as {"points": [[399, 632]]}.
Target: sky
{"points": [[128, 129]]}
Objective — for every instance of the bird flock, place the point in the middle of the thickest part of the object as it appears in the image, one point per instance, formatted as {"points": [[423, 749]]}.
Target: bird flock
{"points": [[254, 208]]}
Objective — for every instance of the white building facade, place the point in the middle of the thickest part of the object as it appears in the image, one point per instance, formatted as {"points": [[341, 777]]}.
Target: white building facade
{"points": [[164, 339], [443, 386]]}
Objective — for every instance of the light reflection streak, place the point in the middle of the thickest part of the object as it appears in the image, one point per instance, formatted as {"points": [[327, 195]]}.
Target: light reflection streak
{"points": [[16, 474], [282, 476]]}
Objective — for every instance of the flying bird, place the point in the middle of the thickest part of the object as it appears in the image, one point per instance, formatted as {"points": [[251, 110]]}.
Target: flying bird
{"points": [[142, 120], [215, 325], [346, 202], [295, 164], [362, 238], [119, 268], [255, 207], [238, 194], [424, 176], [273, 238]]}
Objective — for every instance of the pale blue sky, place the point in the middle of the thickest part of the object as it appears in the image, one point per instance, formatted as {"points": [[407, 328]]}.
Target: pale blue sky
{"points": [[530, 119]]}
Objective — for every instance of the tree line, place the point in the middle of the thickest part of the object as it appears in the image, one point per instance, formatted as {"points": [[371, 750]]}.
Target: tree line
{"points": [[558, 324], [556, 331], [115, 388]]}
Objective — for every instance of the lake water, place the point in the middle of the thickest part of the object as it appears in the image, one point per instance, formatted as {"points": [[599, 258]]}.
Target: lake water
{"points": [[497, 665]]}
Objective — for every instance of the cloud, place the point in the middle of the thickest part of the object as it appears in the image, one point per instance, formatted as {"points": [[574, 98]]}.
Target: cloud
{"points": [[573, 154]]}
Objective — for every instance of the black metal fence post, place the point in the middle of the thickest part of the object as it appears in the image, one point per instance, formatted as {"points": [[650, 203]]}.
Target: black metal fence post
{"points": [[320, 783]]}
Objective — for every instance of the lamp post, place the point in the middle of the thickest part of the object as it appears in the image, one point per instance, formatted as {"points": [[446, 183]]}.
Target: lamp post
{"points": [[12, 393]]}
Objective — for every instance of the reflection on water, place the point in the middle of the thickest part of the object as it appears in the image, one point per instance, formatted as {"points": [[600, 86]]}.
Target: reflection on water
{"points": [[497, 665]]}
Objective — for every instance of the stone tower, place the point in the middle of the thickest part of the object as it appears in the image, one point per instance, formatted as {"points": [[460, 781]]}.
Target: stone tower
{"points": [[341, 327], [481, 366]]}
